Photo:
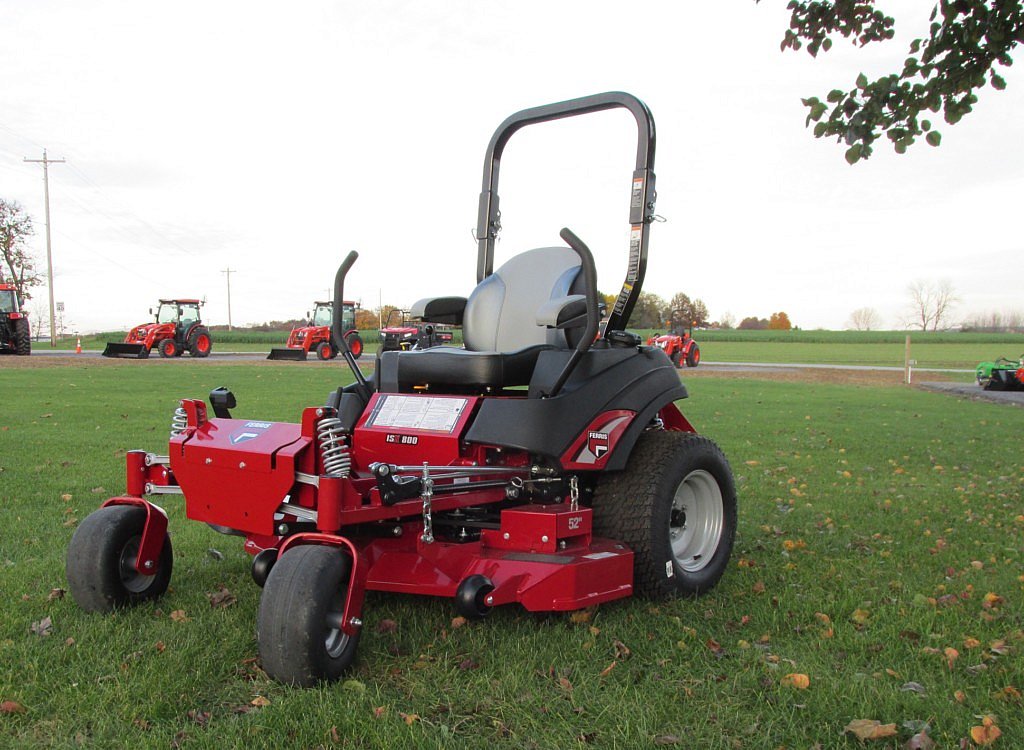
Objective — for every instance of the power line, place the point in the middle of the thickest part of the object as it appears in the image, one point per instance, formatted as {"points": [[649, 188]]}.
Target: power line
{"points": [[49, 255]]}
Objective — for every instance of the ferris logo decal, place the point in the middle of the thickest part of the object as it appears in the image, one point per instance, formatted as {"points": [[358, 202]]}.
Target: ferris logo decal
{"points": [[402, 439], [597, 443], [243, 436]]}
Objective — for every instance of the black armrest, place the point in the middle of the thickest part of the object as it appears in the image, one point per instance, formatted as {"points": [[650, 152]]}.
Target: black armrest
{"points": [[446, 310]]}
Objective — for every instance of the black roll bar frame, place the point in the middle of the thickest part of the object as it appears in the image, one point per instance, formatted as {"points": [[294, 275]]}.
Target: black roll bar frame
{"points": [[642, 196]]}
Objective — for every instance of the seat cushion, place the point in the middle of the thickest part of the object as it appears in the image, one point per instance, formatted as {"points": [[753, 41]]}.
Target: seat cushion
{"points": [[448, 366]]}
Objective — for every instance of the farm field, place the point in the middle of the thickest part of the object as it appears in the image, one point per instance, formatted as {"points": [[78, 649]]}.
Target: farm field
{"points": [[878, 575], [958, 351]]}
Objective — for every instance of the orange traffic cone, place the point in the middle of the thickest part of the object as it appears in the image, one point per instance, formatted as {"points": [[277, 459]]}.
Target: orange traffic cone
{"points": [[78, 346]]}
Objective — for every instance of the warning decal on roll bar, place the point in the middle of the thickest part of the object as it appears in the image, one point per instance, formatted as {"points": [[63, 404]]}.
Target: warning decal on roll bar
{"points": [[437, 414]]}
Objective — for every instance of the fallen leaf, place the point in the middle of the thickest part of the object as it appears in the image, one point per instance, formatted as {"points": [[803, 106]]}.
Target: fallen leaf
{"points": [[409, 719], [215, 554], [458, 622], [56, 594], [987, 733], [581, 616], [335, 734], [160, 647], [608, 670], [379, 711], [221, 598], [714, 645], [259, 701], [12, 707], [42, 627], [870, 729], [467, 664], [387, 626], [971, 643], [951, 655], [758, 587], [179, 615], [796, 680], [621, 650], [992, 601], [913, 687], [563, 682], [959, 696], [201, 718], [920, 741], [860, 617]]}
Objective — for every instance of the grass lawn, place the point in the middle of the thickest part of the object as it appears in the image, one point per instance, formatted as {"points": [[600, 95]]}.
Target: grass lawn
{"points": [[880, 555]]}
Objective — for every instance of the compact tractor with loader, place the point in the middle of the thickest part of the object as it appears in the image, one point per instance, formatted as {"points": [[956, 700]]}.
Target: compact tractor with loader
{"points": [[540, 465], [1001, 375], [177, 328], [316, 336], [15, 335], [404, 334], [678, 344]]}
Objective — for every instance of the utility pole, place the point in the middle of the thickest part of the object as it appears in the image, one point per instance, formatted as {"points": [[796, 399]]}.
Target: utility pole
{"points": [[228, 272], [49, 255]]}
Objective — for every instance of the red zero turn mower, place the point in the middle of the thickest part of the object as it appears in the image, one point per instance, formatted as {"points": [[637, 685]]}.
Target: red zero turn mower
{"points": [[539, 465]]}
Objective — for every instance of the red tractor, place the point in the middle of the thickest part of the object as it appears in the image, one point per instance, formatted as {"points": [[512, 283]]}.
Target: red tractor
{"points": [[405, 334], [540, 465], [678, 344], [15, 335], [177, 328], [316, 336]]}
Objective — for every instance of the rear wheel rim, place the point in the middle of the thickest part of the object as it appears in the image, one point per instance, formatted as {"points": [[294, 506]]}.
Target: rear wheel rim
{"points": [[696, 521], [203, 343]]}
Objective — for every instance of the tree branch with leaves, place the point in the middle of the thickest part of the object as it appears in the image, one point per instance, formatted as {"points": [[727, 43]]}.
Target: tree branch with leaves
{"points": [[966, 40], [18, 264]]}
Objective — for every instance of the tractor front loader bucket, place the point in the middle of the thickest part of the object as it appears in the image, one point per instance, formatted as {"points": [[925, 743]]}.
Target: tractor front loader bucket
{"points": [[132, 351], [295, 355]]}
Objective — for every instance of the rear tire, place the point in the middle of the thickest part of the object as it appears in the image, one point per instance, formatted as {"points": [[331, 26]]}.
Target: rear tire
{"points": [[199, 342], [355, 345], [693, 357], [22, 337], [168, 348], [324, 351], [297, 645], [675, 507], [100, 561], [677, 359]]}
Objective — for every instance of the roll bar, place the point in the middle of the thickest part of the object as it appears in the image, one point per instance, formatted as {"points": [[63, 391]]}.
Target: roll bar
{"points": [[642, 196]]}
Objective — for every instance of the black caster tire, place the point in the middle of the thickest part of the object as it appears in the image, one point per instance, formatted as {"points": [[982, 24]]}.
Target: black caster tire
{"points": [[262, 564], [471, 595], [100, 561], [675, 506], [297, 643]]}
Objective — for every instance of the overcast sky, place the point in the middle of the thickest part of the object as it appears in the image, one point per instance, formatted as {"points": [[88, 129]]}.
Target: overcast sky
{"points": [[272, 138]]}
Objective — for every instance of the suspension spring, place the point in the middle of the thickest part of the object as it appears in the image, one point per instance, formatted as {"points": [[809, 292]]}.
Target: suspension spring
{"points": [[179, 421], [336, 458]]}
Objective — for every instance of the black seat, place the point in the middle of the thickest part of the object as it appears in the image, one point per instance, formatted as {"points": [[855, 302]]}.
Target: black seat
{"points": [[507, 323]]}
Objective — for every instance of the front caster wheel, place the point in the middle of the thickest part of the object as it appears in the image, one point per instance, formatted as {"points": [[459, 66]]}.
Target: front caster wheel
{"points": [[298, 626], [261, 565], [675, 507], [100, 564], [471, 597]]}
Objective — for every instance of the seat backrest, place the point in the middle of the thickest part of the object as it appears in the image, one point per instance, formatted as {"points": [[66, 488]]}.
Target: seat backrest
{"points": [[501, 313]]}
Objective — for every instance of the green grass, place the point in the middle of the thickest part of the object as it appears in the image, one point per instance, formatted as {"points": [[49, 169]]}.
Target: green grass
{"points": [[890, 511]]}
